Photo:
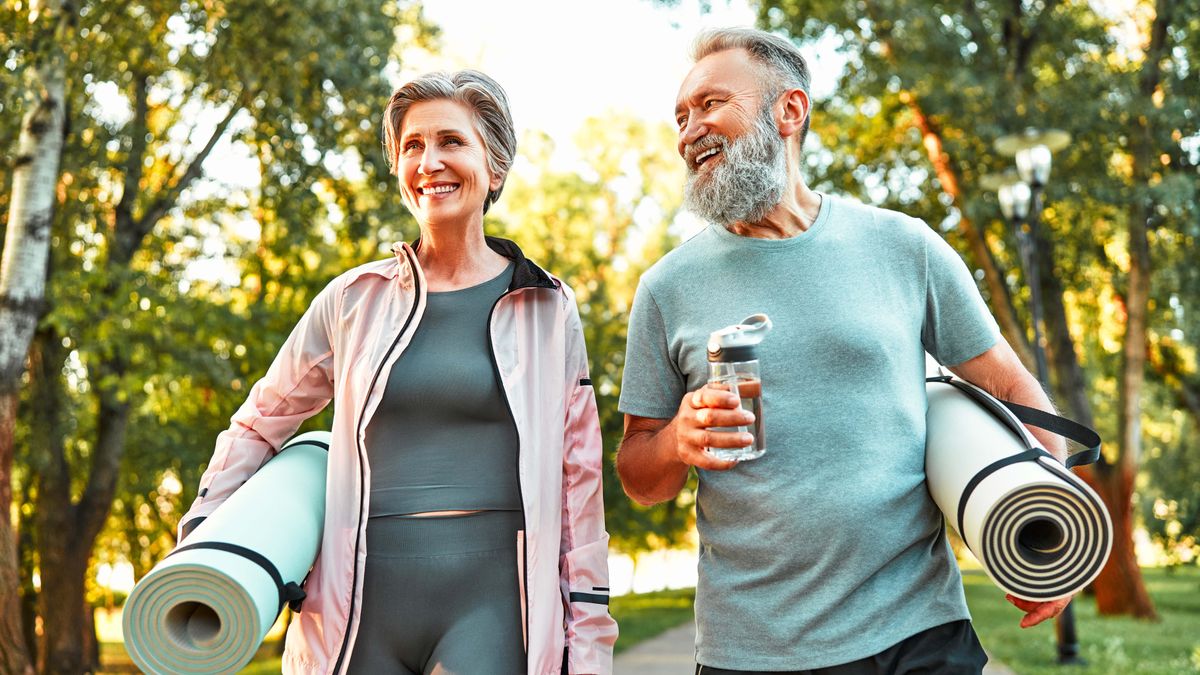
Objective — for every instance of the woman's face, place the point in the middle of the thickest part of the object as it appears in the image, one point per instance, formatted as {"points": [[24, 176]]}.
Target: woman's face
{"points": [[442, 167]]}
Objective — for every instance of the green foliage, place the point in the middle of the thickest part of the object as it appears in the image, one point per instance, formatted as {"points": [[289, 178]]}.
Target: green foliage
{"points": [[985, 69], [175, 278], [1110, 646], [598, 226]]}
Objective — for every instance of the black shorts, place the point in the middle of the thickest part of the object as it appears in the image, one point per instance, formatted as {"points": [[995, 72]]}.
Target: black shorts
{"points": [[951, 648]]}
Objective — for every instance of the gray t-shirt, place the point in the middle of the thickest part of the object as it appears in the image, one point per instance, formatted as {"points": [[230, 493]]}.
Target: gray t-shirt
{"points": [[828, 548]]}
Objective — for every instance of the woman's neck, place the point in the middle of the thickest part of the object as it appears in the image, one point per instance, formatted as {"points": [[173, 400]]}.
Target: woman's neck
{"points": [[457, 259]]}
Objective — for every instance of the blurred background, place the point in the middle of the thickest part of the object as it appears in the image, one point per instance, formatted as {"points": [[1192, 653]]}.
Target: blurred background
{"points": [[179, 178]]}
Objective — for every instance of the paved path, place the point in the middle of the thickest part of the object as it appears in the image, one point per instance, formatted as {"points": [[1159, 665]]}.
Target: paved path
{"points": [[671, 653]]}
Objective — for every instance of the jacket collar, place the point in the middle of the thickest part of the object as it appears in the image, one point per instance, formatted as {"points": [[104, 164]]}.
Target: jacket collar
{"points": [[526, 274]]}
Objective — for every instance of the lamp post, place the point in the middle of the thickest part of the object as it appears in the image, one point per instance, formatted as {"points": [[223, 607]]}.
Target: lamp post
{"points": [[1021, 202]]}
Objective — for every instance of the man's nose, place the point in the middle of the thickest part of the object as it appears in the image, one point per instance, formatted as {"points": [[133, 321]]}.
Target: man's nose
{"points": [[694, 130]]}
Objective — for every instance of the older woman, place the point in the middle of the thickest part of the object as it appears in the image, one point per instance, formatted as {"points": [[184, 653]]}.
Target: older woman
{"points": [[464, 528]]}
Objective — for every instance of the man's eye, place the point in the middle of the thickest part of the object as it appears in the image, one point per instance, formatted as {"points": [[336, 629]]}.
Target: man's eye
{"points": [[710, 103], [681, 121]]}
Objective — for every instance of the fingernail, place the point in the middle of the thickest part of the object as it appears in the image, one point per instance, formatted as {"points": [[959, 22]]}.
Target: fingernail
{"points": [[747, 439]]}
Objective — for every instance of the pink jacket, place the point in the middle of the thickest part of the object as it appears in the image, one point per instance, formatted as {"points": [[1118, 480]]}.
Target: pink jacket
{"points": [[341, 350]]}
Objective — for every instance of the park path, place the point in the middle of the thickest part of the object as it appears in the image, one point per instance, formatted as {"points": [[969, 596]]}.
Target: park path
{"points": [[671, 652]]}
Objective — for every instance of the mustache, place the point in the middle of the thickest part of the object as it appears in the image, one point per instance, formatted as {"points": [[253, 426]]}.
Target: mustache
{"points": [[701, 145]]}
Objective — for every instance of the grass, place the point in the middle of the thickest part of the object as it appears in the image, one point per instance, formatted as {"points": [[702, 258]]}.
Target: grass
{"points": [[1109, 645], [640, 617]]}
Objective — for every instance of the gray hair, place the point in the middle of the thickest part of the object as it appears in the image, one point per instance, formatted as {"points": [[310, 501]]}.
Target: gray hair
{"points": [[482, 95], [785, 65]]}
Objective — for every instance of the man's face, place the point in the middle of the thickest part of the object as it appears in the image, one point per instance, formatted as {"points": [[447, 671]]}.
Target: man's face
{"points": [[719, 97], [728, 137]]}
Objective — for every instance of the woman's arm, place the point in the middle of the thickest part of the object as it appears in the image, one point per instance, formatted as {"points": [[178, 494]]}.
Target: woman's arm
{"points": [[583, 561], [298, 385]]}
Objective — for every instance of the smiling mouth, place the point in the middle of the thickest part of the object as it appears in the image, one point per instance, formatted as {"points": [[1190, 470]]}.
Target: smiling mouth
{"points": [[706, 155], [436, 189]]}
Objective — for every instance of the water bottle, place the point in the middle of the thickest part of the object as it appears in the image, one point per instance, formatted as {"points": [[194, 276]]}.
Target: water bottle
{"points": [[733, 366]]}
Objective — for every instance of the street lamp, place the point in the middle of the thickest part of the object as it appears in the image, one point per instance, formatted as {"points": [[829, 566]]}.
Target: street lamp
{"points": [[1021, 203]]}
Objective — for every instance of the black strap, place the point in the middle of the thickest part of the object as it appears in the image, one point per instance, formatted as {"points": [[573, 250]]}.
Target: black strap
{"points": [[1062, 426], [290, 593], [1069, 429], [1028, 456], [597, 598]]}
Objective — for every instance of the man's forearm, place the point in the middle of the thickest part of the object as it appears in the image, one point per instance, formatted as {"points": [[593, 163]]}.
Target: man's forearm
{"points": [[1000, 373], [648, 466], [1028, 392]]}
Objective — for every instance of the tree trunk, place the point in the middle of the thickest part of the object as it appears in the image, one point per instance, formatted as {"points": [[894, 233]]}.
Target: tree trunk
{"points": [[14, 659], [1119, 588], [22, 287], [1071, 385], [947, 173]]}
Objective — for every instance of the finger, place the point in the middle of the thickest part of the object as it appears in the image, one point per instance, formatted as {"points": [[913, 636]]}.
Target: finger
{"points": [[701, 459], [1023, 605], [711, 438], [722, 417], [1043, 612], [710, 397]]}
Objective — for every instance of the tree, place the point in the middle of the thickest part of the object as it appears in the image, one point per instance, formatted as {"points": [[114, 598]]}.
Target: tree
{"points": [[599, 225], [943, 82], [23, 279], [131, 321]]}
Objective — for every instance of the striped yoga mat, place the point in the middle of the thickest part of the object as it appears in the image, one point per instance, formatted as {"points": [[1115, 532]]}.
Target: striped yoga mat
{"points": [[1038, 530]]}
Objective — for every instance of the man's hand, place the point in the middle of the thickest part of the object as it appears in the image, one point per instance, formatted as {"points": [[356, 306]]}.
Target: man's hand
{"points": [[700, 413], [1037, 612]]}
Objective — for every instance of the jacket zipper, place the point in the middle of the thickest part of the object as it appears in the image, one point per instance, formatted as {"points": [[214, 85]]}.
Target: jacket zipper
{"points": [[362, 461], [520, 488]]}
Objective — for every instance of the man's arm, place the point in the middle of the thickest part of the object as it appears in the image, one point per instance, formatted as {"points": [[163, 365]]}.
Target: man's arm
{"points": [[655, 454], [999, 372]]}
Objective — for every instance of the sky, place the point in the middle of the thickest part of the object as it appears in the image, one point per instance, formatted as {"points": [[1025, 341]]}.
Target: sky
{"points": [[563, 61]]}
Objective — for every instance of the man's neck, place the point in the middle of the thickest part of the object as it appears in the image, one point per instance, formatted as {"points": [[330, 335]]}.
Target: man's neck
{"points": [[793, 215]]}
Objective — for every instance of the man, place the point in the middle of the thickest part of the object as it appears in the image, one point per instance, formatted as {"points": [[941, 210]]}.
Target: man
{"points": [[827, 553]]}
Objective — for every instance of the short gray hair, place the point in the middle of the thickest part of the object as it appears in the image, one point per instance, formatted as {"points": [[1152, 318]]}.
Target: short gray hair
{"points": [[482, 95], [786, 67]]}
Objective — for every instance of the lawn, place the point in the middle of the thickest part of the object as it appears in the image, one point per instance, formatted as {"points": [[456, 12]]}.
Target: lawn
{"points": [[1113, 646], [640, 616]]}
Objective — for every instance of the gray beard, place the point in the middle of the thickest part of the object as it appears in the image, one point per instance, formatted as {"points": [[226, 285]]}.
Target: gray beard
{"points": [[748, 182]]}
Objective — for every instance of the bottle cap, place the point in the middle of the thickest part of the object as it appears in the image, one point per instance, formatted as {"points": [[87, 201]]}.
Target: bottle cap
{"points": [[737, 342]]}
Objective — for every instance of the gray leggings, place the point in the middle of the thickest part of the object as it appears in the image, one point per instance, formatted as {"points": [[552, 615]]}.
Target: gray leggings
{"points": [[440, 596]]}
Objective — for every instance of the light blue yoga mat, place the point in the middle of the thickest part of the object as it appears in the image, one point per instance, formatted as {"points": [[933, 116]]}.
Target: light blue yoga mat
{"points": [[207, 610]]}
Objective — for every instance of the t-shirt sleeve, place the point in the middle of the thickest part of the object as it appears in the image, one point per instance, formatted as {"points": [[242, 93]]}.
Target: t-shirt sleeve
{"points": [[958, 326], [652, 384]]}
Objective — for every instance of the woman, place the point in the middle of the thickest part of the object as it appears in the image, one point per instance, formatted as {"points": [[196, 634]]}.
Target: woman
{"points": [[464, 527]]}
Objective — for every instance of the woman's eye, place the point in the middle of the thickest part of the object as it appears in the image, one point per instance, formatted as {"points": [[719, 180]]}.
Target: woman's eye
{"points": [[452, 141], [411, 145]]}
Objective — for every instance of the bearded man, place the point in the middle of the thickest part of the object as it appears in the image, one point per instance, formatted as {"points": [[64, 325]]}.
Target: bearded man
{"points": [[826, 554]]}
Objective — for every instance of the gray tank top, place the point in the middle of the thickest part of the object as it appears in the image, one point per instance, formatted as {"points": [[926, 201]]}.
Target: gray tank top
{"points": [[442, 438]]}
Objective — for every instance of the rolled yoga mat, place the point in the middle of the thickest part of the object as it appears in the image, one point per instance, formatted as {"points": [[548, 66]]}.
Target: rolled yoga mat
{"points": [[1038, 530], [207, 606]]}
